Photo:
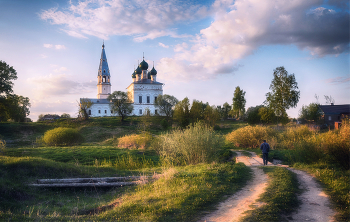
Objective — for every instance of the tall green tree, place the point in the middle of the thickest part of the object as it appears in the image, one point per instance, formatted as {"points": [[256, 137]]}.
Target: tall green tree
{"points": [[165, 104], [225, 110], [238, 105], [310, 112], [12, 106], [84, 105], [182, 112], [211, 115], [121, 104], [197, 110], [284, 93], [7, 75]]}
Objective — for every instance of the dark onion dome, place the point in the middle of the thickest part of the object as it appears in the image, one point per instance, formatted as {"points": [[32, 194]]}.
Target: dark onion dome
{"points": [[143, 65], [133, 74], [149, 75], [153, 71], [138, 70]]}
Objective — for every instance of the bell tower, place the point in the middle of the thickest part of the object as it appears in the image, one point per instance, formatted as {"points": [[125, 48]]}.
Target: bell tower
{"points": [[103, 77]]}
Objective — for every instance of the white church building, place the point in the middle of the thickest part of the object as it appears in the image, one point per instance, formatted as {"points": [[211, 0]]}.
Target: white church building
{"points": [[143, 90]]}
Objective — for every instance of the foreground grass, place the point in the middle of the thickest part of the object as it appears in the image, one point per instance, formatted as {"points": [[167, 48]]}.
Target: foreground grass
{"points": [[280, 196], [181, 194]]}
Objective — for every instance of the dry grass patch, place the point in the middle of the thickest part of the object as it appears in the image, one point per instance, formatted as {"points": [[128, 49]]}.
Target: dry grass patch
{"points": [[135, 141]]}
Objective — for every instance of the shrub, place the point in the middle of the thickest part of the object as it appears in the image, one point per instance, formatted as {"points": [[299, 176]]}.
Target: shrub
{"points": [[134, 141], [294, 136], [251, 136], [62, 136], [196, 144], [336, 144]]}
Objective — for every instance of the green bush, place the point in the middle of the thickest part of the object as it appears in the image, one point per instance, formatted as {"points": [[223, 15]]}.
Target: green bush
{"points": [[196, 144], [251, 136], [62, 136]]}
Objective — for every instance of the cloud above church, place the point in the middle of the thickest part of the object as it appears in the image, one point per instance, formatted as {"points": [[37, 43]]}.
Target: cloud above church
{"points": [[238, 29], [146, 19], [250, 24]]}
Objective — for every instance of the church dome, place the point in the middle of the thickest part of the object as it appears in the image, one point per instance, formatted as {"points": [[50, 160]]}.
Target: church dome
{"points": [[153, 71], [143, 65], [133, 74], [138, 70]]}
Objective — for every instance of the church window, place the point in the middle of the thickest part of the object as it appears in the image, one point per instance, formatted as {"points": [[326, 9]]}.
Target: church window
{"points": [[111, 111], [140, 111], [156, 112], [105, 111], [148, 99], [140, 99], [155, 98], [89, 112], [99, 111]]}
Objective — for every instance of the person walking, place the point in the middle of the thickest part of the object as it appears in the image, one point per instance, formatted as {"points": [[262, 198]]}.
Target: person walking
{"points": [[265, 147]]}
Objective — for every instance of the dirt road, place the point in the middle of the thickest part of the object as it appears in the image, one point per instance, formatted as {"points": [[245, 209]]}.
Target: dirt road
{"points": [[315, 203]]}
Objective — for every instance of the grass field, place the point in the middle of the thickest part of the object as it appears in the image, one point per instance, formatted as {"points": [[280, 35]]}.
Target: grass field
{"points": [[176, 193]]}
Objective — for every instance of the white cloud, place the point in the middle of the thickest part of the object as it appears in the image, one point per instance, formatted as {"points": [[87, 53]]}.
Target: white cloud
{"points": [[58, 47], [146, 19], [59, 85], [48, 45], [163, 45], [241, 27]]}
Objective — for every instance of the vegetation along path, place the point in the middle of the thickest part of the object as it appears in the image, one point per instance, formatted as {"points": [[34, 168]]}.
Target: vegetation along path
{"points": [[315, 204]]}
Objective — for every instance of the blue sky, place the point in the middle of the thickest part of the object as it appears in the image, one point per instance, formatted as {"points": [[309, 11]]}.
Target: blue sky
{"points": [[201, 49]]}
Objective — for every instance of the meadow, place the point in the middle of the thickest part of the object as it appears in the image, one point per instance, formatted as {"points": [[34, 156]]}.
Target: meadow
{"points": [[191, 169]]}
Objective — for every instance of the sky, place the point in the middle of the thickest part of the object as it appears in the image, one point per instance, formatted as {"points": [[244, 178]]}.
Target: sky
{"points": [[201, 49]]}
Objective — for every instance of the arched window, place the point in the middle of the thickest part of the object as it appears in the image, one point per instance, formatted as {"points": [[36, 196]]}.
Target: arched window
{"points": [[89, 112], [140, 111]]}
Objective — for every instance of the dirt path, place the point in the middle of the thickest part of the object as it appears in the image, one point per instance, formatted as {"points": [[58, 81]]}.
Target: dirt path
{"points": [[233, 208], [314, 207], [315, 203]]}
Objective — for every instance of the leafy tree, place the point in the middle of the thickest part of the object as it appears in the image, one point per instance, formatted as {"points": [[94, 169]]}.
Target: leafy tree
{"points": [[7, 74], [84, 105], [182, 112], [310, 112], [252, 115], [211, 115], [284, 93], [225, 110], [197, 110], [121, 104], [18, 107], [165, 104], [65, 115], [266, 115], [11, 106], [238, 105]]}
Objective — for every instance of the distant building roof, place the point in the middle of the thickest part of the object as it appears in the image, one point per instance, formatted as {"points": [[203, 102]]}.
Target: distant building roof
{"points": [[147, 81], [335, 109]]}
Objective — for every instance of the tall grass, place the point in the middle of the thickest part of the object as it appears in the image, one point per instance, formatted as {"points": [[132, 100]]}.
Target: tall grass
{"points": [[135, 141], [251, 136], [193, 145]]}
